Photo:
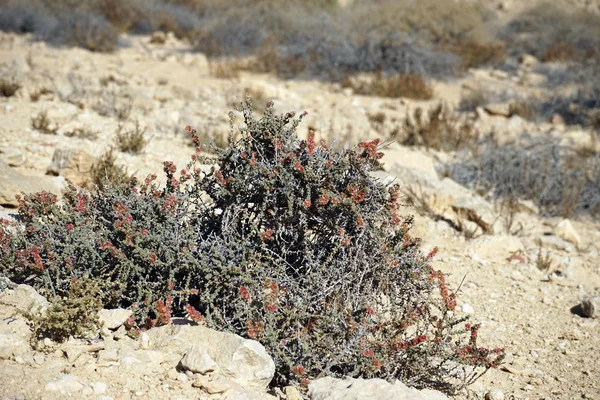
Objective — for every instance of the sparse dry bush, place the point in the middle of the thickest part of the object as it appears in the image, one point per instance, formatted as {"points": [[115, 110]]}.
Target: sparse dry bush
{"points": [[474, 99], [441, 129], [42, 123], [38, 93], [556, 177], [552, 33], [409, 86], [131, 140], [74, 314], [105, 173]]}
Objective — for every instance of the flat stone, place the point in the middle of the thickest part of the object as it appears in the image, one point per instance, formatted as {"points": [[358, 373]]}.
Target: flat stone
{"points": [[67, 384], [112, 319], [13, 183], [25, 299], [361, 389], [499, 109]]}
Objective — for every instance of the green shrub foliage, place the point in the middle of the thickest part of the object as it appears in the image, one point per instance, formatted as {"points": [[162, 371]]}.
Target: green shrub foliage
{"points": [[281, 240]]}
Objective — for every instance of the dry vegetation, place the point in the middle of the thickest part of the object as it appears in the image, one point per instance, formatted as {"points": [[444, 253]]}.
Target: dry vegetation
{"points": [[440, 129]]}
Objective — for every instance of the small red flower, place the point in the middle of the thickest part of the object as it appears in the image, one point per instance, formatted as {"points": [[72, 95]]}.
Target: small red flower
{"points": [[299, 370], [244, 294], [370, 310], [368, 353], [251, 333], [307, 203]]}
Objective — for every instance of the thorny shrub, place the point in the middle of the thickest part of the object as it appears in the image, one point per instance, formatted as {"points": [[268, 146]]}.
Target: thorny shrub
{"points": [[441, 129], [409, 86], [560, 179], [283, 240]]}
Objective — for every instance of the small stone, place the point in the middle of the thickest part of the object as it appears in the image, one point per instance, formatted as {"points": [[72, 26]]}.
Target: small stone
{"points": [[144, 341], [181, 377], [112, 319], [39, 358], [198, 360], [565, 230], [494, 395], [467, 309], [66, 384], [218, 385], [109, 355], [590, 307], [98, 387], [499, 109], [292, 393], [172, 374], [528, 60]]}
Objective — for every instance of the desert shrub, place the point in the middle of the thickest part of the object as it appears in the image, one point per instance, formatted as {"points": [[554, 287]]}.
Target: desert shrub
{"points": [[27, 17], [72, 315], [474, 99], [131, 140], [561, 180], [42, 123], [106, 173], [409, 86], [550, 33], [441, 129], [296, 246], [8, 88], [581, 108]]}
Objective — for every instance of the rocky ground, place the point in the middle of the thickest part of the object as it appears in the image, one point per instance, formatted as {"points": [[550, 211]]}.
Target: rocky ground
{"points": [[533, 313]]}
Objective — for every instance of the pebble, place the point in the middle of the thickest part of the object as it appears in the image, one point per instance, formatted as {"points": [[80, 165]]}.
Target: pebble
{"points": [[467, 309], [494, 395]]}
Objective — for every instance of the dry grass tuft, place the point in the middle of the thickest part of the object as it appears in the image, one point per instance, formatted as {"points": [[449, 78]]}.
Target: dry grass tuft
{"points": [[409, 86], [442, 129]]}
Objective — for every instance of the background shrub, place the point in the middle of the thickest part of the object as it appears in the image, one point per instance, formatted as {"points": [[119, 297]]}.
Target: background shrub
{"points": [[294, 245], [562, 180], [552, 34]]}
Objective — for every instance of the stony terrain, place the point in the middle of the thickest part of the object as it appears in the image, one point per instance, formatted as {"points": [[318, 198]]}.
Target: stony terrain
{"points": [[552, 348]]}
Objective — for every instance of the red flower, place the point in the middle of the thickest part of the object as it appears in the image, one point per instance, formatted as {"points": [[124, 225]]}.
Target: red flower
{"points": [[311, 142], [271, 308], [368, 353], [307, 203], [194, 314], [244, 293], [370, 310], [377, 364], [299, 370], [251, 333]]}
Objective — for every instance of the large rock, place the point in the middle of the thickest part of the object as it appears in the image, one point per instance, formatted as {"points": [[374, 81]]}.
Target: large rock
{"points": [[242, 360], [25, 299], [367, 389], [74, 165], [406, 157], [13, 183]]}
